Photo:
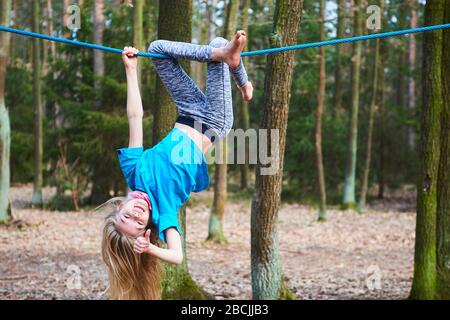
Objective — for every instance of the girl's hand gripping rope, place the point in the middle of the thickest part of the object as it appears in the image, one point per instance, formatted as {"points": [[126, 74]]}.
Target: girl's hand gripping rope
{"points": [[129, 58]]}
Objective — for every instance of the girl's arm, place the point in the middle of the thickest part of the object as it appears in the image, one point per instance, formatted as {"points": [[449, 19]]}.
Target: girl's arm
{"points": [[135, 111], [173, 253]]}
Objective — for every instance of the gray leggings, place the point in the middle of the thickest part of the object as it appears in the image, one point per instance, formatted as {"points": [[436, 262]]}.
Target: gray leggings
{"points": [[213, 111]]}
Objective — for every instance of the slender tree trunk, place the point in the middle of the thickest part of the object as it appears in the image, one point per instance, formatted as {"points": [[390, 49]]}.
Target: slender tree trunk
{"points": [[414, 4], [99, 30], [338, 71], [373, 106], [319, 114], [267, 279], [100, 184], [51, 27], [349, 186], [13, 37], [174, 23], [212, 17], [5, 128], [424, 282], [377, 68], [215, 230], [244, 114], [381, 124], [138, 31], [38, 112], [66, 32], [443, 200]]}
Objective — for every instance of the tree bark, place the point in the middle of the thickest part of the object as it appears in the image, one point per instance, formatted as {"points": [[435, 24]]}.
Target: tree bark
{"points": [[411, 136], [338, 71], [267, 279], [174, 23], [443, 200], [424, 281], [100, 185], [99, 30], [51, 27], [349, 185], [319, 114], [38, 112], [138, 31], [5, 128], [215, 230], [244, 114], [372, 111]]}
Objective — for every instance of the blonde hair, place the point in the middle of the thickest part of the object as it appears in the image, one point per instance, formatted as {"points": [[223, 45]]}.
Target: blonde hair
{"points": [[132, 276]]}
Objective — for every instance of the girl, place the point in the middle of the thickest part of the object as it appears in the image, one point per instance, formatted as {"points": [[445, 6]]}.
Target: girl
{"points": [[162, 178]]}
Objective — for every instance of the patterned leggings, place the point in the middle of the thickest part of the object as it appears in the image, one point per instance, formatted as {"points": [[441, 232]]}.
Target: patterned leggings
{"points": [[213, 111]]}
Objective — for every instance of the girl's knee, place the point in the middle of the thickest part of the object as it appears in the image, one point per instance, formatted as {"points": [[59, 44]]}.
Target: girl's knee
{"points": [[156, 46], [219, 42]]}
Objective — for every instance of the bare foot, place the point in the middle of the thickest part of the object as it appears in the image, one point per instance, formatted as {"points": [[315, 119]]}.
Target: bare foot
{"points": [[234, 48], [247, 91], [231, 53]]}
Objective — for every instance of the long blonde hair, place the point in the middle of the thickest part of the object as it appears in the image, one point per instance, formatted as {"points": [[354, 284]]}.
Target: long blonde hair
{"points": [[132, 276]]}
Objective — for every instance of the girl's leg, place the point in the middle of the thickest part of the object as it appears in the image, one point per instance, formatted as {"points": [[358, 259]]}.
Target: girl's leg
{"points": [[219, 108], [183, 90], [215, 110]]}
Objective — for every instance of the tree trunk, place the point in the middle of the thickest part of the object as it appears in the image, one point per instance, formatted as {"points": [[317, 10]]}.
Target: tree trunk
{"points": [[381, 123], [212, 26], [319, 114], [5, 128], [244, 115], [66, 32], [338, 70], [424, 281], [414, 4], [100, 184], [174, 23], [349, 186], [99, 30], [267, 279], [138, 31], [372, 111], [51, 28], [38, 112], [443, 200], [13, 37], [215, 230]]}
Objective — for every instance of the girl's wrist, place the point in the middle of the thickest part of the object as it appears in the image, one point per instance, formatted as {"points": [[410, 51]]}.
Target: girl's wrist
{"points": [[131, 70], [150, 249]]}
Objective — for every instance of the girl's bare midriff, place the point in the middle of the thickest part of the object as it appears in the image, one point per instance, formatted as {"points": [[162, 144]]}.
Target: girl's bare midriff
{"points": [[201, 140]]}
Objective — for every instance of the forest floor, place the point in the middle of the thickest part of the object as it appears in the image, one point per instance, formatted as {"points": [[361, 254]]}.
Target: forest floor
{"points": [[56, 255]]}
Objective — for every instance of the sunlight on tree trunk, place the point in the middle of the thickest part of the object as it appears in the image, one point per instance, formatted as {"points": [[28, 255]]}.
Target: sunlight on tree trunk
{"points": [[5, 128]]}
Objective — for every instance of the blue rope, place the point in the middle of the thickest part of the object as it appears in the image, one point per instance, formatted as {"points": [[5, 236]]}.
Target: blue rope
{"points": [[244, 54]]}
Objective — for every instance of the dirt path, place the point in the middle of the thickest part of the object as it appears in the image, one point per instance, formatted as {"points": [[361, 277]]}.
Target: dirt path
{"points": [[55, 255]]}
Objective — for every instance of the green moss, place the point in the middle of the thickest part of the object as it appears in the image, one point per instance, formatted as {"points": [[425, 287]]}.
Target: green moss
{"points": [[184, 288], [286, 294], [349, 206]]}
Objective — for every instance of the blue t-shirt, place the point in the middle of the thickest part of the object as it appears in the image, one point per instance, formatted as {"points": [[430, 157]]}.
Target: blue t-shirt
{"points": [[168, 173]]}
